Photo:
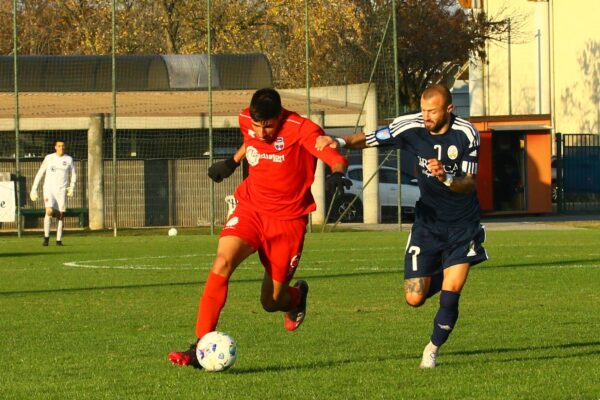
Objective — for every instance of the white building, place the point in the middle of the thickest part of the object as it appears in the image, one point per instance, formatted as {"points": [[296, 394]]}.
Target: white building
{"points": [[552, 65]]}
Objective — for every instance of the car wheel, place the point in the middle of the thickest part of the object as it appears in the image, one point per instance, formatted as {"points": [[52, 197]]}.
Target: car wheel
{"points": [[354, 213]]}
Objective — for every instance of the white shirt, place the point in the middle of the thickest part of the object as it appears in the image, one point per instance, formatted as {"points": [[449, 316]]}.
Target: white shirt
{"points": [[57, 173]]}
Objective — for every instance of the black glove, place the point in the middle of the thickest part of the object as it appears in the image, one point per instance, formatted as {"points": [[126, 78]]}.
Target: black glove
{"points": [[337, 181], [222, 169]]}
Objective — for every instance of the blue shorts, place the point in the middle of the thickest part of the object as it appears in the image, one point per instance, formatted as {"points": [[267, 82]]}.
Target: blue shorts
{"points": [[432, 248]]}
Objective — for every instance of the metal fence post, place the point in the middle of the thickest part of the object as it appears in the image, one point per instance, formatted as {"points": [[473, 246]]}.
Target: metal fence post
{"points": [[560, 205], [17, 135]]}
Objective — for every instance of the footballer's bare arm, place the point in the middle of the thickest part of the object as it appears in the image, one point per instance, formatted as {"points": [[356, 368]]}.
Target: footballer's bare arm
{"points": [[240, 154], [354, 141], [462, 184]]}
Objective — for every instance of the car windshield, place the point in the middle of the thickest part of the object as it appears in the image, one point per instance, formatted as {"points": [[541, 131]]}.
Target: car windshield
{"points": [[386, 175]]}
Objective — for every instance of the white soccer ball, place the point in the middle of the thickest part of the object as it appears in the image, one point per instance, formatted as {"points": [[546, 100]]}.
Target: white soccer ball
{"points": [[172, 232], [216, 351]]}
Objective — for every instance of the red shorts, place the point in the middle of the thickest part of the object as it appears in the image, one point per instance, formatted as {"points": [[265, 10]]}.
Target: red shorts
{"points": [[279, 242]]}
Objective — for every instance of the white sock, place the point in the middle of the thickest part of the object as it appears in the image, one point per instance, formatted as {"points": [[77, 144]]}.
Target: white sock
{"points": [[47, 223], [59, 229]]}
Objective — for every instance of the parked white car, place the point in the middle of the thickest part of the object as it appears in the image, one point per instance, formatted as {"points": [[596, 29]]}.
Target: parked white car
{"points": [[388, 195]]}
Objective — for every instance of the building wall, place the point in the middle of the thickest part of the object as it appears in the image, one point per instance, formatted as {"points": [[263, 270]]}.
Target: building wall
{"points": [[577, 66], [523, 69], [570, 36]]}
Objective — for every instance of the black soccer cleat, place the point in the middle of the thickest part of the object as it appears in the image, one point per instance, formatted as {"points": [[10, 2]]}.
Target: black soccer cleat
{"points": [[292, 319], [59, 243], [46, 241], [185, 358]]}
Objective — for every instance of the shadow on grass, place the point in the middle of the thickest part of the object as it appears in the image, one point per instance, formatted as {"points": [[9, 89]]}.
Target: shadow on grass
{"points": [[25, 253], [544, 356], [253, 280], [549, 264], [171, 284], [324, 364], [417, 356]]}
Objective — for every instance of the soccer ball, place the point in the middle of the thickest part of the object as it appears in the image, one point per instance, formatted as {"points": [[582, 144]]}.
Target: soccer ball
{"points": [[172, 232], [216, 351]]}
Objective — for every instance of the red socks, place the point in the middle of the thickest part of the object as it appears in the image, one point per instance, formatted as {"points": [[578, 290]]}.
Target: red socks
{"points": [[213, 299], [211, 303]]}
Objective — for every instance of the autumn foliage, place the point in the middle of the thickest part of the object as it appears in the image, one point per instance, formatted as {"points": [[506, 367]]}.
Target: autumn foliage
{"points": [[435, 37]]}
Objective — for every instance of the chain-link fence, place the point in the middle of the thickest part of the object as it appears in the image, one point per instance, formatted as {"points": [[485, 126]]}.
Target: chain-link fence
{"points": [[127, 86]]}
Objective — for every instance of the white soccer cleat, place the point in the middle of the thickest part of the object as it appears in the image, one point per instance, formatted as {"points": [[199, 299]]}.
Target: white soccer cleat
{"points": [[429, 356]]}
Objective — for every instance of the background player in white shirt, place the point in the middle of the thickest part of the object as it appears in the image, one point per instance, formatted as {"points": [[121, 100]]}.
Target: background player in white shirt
{"points": [[57, 167]]}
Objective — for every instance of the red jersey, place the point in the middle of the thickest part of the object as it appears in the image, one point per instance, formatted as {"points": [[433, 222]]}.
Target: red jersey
{"points": [[281, 172]]}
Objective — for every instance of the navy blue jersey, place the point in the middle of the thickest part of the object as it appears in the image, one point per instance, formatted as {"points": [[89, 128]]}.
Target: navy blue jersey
{"points": [[457, 149]]}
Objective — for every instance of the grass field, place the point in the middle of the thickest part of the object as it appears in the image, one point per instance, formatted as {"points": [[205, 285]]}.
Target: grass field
{"points": [[96, 318]]}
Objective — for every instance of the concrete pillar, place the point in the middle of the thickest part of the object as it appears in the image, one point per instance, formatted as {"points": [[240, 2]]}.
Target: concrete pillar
{"points": [[318, 186], [95, 172], [371, 208]]}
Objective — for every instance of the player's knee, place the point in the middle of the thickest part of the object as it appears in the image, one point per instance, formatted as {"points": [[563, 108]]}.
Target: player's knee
{"points": [[415, 300], [223, 266]]}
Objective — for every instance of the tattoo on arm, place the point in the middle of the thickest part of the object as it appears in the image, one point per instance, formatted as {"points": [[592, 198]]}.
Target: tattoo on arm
{"points": [[464, 184], [356, 141]]}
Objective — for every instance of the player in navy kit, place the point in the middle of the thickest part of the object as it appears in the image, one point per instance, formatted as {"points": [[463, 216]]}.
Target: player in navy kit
{"points": [[446, 237]]}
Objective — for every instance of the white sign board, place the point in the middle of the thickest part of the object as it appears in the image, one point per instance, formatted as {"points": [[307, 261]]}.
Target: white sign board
{"points": [[8, 207]]}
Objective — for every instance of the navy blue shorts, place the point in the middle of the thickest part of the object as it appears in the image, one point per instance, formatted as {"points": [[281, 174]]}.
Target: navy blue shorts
{"points": [[431, 249]]}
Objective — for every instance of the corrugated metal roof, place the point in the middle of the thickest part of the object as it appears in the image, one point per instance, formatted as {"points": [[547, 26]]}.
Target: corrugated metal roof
{"points": [[135, 73]]}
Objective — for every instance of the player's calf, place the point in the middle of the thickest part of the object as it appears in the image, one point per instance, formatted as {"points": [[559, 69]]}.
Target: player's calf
{"points": [[446, 317]]}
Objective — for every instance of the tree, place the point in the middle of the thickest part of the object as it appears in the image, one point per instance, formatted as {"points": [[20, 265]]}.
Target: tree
{"points": [[57, 26], [436, 38]]}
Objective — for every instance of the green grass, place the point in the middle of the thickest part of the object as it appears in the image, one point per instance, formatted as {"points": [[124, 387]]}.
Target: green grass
{"points": [[96, 319]]}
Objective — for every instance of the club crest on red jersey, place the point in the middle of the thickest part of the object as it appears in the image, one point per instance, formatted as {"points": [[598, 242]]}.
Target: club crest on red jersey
{"points": [[252, 156], [279, 145], [293, 265]]}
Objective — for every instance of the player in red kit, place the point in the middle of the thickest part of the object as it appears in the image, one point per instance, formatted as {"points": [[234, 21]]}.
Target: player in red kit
{"points": [[272, 211]]}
